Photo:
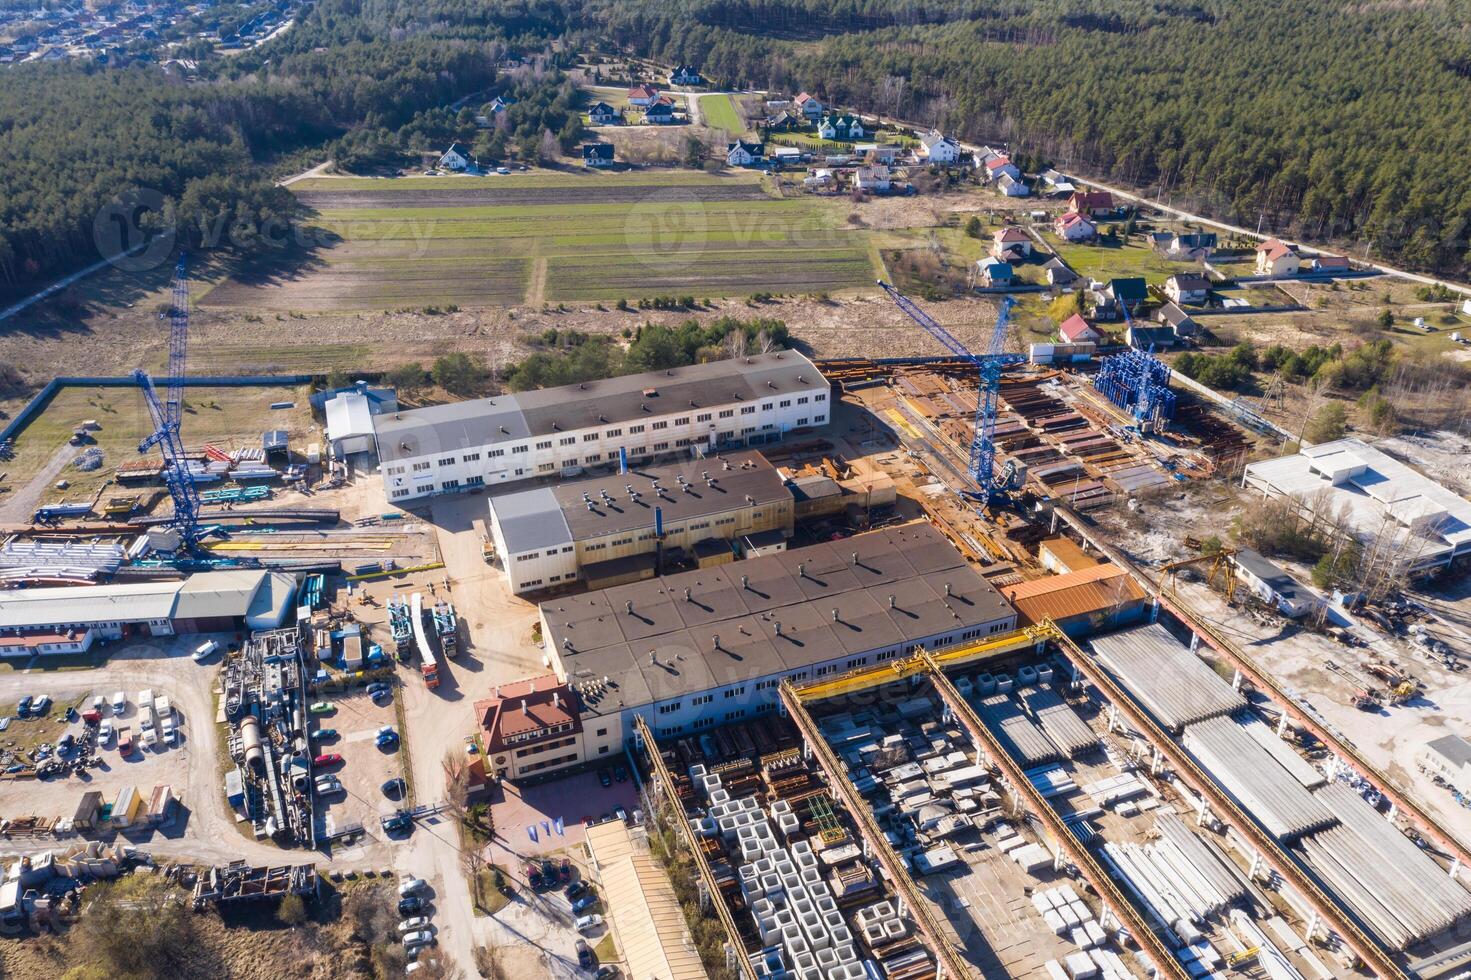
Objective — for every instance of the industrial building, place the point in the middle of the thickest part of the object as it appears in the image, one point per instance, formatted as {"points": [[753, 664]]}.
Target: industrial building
{"points": [[70, 620], [701, 648], [559, 431], [1379, 494], [1090, 599], [1273, 585], [608, 530]]}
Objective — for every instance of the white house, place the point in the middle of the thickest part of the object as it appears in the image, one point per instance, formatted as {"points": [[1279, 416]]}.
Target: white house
{"points": [[1466, 307], [1277, 258], [1012, 186], [602, 114], [456, 157], [872, 178], [1011, 242], [993, 272], [643, 95], [742, 154], [808, 106], [686, 75], [1074, 227], [1449, 758], [877, 153], [936, 147], [1187, 287], [998, 167]]}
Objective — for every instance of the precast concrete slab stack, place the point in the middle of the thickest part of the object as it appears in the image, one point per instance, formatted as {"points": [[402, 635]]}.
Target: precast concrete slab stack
{"points": [[1172, 683]]}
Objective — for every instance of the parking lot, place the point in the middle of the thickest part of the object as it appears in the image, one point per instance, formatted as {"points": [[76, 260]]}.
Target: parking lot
{"points": [[575, 799], [364, 768]]}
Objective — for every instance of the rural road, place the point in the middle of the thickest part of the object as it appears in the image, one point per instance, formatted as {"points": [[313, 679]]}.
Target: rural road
{"points": [[64, 282], [19, 505]]}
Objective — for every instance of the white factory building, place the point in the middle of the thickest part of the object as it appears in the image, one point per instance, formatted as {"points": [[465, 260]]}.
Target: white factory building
{"points": [[702, 648], [69, 620], [559, 431], [1432, 525], [610, 530]]}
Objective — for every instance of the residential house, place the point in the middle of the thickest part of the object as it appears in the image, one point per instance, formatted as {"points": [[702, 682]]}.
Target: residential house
{"points": [[787, 156], [1273, 585], [24, 44], [819, 180], [808, 106], [642, 95], [1177, 320], [843, 128], [936, 147], [686, 75], [874, 179], [1076, 330], [1146, 338], [1187, 287], [877, 153], [457, 157], [1277, 258], [499, 105], [660, 112], [602, 114], [597, 154], [1193, 247], [1057, 185], [993, 272], [1011, 243], [1094, 204], [1058, 273], [1130, 292], [784, 122], [1012, 186], [1331, 264], [743, 154], [1075, 227], [997, 167]]}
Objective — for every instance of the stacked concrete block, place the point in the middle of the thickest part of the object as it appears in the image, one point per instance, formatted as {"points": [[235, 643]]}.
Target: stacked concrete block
{"points": [[1004, 683], [985, 685]]}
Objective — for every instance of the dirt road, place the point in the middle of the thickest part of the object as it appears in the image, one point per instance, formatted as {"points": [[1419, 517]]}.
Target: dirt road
{"points": [[19, 505]]}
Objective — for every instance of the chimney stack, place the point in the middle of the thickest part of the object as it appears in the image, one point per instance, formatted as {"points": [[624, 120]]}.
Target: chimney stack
{"points": [[891, 601], [686, 595], [835, 614], [745, 582], [776, 624], [947, 588], [855, 558], [628, 607], [801, 569], [715, 641]]}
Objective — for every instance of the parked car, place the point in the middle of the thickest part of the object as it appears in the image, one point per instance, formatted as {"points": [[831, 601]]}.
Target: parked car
{"points": [[576, 889], [620, 813], [605, 777], [584, 955], [324, 734], [410, 905], [394, 787], [205, 650], [322, 708], [606, 972], [620, 773], [23, 708], [41, 704], [409, 885], [397, 821], [421, 938], [104, 733], [119, 702], [584, 903], [585, 922], [386, 737], [414, 924], [98, 703], [327, 785], [327, 759], [378, 688], [564, 871]]}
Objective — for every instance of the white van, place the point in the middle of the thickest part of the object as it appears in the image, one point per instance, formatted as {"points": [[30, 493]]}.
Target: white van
{"points": [[206, 650]]}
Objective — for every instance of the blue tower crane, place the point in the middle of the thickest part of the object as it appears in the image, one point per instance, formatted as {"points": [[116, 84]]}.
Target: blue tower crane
{"points": [[166, 414], [988, 368]]}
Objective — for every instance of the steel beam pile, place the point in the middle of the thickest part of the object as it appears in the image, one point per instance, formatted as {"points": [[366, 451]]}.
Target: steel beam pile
{"points": [[1173, 684], [1396, 889], [1123, 377], [1255, 779], [1058, 721]]}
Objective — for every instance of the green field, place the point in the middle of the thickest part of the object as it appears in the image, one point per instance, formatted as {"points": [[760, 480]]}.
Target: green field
{"points": [[1104, 260], [553, 237], [719, 112]]}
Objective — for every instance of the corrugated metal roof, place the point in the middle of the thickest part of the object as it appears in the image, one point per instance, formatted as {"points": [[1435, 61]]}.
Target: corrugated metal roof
{"points": [[651, 928], [1098, 588], [205, 595], [1173, 684], [1068, 553]]}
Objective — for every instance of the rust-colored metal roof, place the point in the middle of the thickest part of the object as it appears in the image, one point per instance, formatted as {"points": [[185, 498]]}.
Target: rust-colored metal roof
{"points": [[1069, 554], [1080, 593]]}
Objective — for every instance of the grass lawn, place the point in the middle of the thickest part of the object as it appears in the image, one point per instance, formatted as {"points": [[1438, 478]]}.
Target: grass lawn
{"points": [[25, 734], [719, 112], [606, 951], [227, 417], [1104, 260], [492, 899]]}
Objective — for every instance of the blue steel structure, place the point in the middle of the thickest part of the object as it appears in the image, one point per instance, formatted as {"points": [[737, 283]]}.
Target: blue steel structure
{"points": [[1139, 382], [166, 413], [989, 366]]}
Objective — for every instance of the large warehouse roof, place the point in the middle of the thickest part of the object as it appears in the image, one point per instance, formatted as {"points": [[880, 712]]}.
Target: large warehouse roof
{"points": [[656, 640], [518, 416], [577, 510], [1173, 684], [1371, 486], [261, 597]]}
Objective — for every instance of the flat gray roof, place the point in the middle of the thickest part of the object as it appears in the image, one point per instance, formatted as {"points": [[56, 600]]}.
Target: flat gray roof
{"points": [[594, 506], [666, 646], [513, 417]]}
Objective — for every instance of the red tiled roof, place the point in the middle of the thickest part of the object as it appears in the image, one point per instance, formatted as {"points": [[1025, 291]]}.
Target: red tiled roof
{"points": [[1074, 326], [1012, 234], [642, 92], [995, 163], [1275, 249], [1091, 200], [525, 707]]}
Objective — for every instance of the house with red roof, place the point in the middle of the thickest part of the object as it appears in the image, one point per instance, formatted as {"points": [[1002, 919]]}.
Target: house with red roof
{"points": [[808, 106], [643, 95], [1011, 243], [1276, 258], [998, 166], [1074, 227], [531, 728], [1331, 263], [1076, 330], [1091, 203]]}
